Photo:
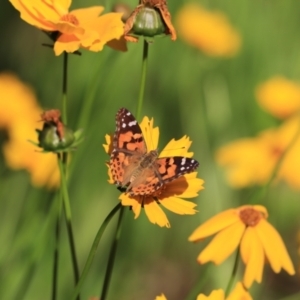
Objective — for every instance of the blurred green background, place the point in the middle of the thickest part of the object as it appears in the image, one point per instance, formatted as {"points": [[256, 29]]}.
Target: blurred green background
{"points": [[210, 99]]}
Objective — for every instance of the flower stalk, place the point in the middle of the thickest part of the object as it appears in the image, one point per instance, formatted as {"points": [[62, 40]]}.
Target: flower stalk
{"points": [[143, 79], [112, 255], [56, 250], [68, 216], [93, 250], [233, 274]]}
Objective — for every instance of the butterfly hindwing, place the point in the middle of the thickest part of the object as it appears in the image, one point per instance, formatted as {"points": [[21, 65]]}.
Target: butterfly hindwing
{"points": [[170, 168]]}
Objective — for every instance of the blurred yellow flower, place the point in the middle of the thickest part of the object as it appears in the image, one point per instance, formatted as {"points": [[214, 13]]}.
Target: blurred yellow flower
{"points": [[19, 115], [245, 226], [169, 196], [251, 161], [238, 293], [208, 31], [161, 297], [78, 28], [279, 96]]}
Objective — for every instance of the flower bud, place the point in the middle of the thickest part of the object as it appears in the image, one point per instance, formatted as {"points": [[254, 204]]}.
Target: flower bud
{"points": [[148, 22], [50, 140], [149, 19]]}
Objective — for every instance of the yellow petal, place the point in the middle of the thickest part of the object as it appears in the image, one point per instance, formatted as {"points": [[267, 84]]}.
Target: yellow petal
{"points": [[194, 185], [68, 43], [108, 26], [161, 297], [179, 206], [186, 186], [177, 148], [150, 133], [215, 224], [84, 15], [214, 295], [156, 215], [107, 146], [239, 293], [37, 13], [261, 209], [253, 256], [133, 203], [274, 247], [228, 240]]}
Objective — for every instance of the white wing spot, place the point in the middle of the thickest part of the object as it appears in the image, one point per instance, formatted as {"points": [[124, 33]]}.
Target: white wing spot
{"points": [[124, 125], [192, 161], [132, 123], [182, 168], [183, 161], [128, 114]]}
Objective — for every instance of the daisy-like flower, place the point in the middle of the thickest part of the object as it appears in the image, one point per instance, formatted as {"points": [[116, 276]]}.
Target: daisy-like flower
{"points": [[245, 226], [19, 116], [238, 293], [80, 28], [244, 158], [279, 96], [208, 31], [150, 18], [170, 195]]}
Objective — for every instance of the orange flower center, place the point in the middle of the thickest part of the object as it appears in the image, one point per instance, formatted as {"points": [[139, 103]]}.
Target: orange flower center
{"points": [[250, 217], [276, 151], [70, 19]]}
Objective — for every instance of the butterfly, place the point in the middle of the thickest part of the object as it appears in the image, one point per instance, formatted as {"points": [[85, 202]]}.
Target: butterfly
{"points": [[135, 169]]}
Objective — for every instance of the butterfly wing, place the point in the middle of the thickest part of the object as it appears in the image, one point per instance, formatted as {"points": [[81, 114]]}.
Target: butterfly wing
{"points": [[170, 168], [128, 147], [164, 170]]}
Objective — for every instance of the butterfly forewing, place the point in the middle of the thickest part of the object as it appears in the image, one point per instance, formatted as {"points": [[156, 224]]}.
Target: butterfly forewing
{"points": [[128, 135], [128, 147]]}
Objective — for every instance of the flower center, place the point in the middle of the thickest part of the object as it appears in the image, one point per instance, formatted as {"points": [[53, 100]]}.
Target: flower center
{"points": [[70, 19], [250, 216], [276, 151]]}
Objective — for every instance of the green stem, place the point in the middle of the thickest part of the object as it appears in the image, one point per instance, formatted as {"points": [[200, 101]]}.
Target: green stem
{"points": [[112, 255], [143, 80], [233, 274], [56, 250], [64, 89], [93, 250], [67, 210]]}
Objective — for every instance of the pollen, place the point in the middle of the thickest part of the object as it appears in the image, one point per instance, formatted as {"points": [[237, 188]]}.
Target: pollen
{"points": [[250, 217], [70, 19]]}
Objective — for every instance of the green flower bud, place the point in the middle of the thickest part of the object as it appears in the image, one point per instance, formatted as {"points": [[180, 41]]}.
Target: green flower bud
{"points": [[148, 22], [49, 139]]}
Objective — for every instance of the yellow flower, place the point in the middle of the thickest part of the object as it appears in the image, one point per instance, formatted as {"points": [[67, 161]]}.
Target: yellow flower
{"points": [[19, 115], [78, 28], [170, 195], [251, 161], [161, 297], [245, 226], [238, 293], [279, 96], [207, 31]]}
